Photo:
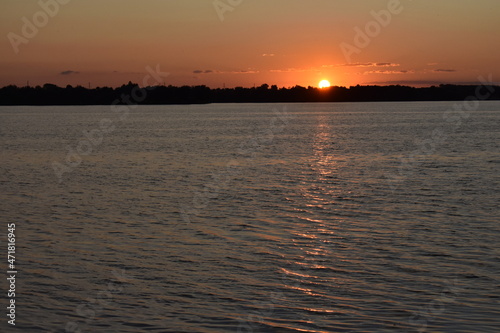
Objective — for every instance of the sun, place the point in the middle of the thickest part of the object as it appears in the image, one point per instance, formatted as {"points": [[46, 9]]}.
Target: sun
{"points": [[324, 84]]}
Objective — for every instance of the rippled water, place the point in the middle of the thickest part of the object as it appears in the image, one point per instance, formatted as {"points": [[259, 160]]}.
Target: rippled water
{"points": [[369, 217]]}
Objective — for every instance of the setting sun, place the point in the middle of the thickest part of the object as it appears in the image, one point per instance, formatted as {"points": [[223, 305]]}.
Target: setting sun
{"points": [[324, 84]]}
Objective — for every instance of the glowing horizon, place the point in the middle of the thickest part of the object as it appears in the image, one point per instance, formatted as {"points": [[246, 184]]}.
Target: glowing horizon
{"points": [[284, 43]]}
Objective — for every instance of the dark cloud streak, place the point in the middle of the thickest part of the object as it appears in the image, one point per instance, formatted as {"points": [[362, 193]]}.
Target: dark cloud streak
{"points": [[444, 70], [68, 72]]}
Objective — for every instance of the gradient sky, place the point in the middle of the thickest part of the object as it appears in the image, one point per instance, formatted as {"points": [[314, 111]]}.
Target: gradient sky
{"points": [[282, 42]]}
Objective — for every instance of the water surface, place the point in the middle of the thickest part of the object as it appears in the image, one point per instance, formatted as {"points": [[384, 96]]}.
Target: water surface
{"points": [[363, 217]]}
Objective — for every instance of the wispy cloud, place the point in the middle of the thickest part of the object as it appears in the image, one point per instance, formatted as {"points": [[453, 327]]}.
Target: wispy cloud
{"points": [[322, 68], [365, 64], [289, 70], [268, 55], [440, 70], [249, 71], [386, 64], [389, 72], [68, 72], [212, 71], [208, 71]]}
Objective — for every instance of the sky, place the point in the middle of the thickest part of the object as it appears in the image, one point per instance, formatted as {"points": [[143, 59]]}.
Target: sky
{"points": [[249, 42]]}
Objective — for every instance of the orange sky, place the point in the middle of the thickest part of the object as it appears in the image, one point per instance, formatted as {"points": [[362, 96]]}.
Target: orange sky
{"points": [[283, 42]]}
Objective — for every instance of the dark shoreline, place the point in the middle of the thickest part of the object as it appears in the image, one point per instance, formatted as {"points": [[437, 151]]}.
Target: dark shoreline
{"points": [[132, 94]]}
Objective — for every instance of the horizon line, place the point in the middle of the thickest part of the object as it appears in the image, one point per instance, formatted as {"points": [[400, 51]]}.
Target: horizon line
{"points": [[371, 84]]}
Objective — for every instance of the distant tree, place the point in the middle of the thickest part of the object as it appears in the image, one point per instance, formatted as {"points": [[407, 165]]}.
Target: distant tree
{"points": [[51, 94], [50, 86]]}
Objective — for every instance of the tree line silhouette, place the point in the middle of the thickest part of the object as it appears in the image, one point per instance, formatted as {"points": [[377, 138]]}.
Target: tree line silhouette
{"points": [[50, 94]]}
